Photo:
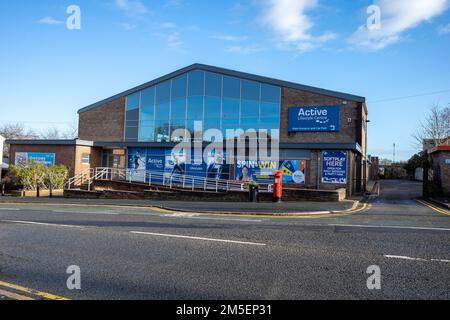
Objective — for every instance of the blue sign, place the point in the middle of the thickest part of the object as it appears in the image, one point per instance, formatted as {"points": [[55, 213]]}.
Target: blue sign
{"points": [[314, 119], [45, 159], [334, 167]]}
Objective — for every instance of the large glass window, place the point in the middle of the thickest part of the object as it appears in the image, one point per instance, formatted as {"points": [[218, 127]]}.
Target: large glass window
{"points": [[179, 87], [231, 88], [270, 93], [219, 101], [133, 101], [196, 83], [250, 90], [213, 85], [163, 92]]}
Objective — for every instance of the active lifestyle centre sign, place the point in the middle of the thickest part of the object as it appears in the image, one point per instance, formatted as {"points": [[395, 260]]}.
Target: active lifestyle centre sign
{"points": [[314, 119]]}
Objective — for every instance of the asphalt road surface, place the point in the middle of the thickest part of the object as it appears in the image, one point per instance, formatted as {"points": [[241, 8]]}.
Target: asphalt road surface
{"points": [[137, 253]]}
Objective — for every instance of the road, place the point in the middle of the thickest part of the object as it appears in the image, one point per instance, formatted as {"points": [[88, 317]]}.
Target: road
{"points": [[139, 253]]}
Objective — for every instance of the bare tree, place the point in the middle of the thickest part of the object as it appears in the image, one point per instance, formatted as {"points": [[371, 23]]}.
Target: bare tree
{"points": [[434, 130], [15, 131], [71, 132]]}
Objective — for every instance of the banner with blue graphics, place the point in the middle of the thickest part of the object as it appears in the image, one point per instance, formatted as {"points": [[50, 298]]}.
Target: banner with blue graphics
{"points": [[45, 159], [314, 119]]}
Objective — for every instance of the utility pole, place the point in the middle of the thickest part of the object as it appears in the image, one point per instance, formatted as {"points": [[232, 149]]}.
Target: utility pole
{"points": [[394, 155]]}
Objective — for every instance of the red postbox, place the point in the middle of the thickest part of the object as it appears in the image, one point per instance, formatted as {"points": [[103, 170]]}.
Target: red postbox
{"points": [[277, 186]]}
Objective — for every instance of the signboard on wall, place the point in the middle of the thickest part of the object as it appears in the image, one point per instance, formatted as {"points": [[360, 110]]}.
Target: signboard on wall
{"points": [[262, 171], [334, 167], [314, 119], [45, 159]]}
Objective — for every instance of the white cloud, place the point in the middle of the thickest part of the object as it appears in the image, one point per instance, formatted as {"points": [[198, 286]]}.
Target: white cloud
{"points": [[245, 50], [229, 37], [49, 21], [173, 40], [128, 26], [445, 30], [132, 7], [396, 18], [291, 23], [167, 25]]}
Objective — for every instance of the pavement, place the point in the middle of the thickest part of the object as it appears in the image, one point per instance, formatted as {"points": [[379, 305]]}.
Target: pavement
{"points": [[149, 253], [246, 208]]}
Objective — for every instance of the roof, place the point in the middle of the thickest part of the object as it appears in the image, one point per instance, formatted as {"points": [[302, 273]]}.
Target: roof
{"points": [[75, 142], [439, 149], [232, 73]]}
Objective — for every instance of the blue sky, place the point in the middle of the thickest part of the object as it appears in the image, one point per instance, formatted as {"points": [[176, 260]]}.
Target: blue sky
{"points": [[48, 72]]}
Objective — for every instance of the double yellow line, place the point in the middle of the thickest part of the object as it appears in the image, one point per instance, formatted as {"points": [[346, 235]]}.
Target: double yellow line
{"points": [[433, 207], [23, 293]]}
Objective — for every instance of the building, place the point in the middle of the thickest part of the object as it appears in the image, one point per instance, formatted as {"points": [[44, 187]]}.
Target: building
{"points": [[440, 173], [322, 134], [2, 140]]}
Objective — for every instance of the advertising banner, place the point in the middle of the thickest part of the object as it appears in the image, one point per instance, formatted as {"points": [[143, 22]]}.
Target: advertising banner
{"points": [[137, 162], [45, 159], [314, 119], [262, 171], [172, 164], [334, 167]]}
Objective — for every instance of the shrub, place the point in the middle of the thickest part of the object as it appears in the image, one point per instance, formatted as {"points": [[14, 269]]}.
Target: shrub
{"points": [[29, 175]]}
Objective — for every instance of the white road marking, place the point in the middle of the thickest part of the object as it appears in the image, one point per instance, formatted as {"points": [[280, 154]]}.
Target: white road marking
{"points": [[44, 224], [387, 227], [9, 209], [415, 259], [85, 212], [196, 238], [191, 216]]}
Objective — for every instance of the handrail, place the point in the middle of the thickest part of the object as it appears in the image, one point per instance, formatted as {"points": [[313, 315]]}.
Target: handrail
{"points": [[160, 178]]}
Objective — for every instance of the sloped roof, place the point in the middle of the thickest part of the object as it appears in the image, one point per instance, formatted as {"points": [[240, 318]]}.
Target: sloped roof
{"points": [[227, 72]]}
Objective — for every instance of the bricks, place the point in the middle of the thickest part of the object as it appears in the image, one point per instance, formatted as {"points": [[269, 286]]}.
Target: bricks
{"points": [[292, 97], [105, 123], [67, 155]]}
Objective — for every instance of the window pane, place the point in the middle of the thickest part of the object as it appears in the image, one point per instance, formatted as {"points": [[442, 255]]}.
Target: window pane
{"points": [[178, 109], [195, 108], [213, 84], [230, 109], [133, 101], [131, 133], [269, 109], [196, 83], [213, 107], [250, 90], [249, 123], [250, 109], [162, 112], [146, 133], [231, 87], [179, 87], [269, 123], [270, 93], [148, 98], [163, 92], [213, 123], [162, 131]]}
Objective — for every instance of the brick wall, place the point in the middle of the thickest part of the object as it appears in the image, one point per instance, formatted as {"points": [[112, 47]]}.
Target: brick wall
{"points": [[442, 170], [291, 97], [104, 123], [64, 154], [95, 158]]}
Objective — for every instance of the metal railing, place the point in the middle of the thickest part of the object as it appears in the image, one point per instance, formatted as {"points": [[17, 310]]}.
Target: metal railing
{"points": [[160, 178]]}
